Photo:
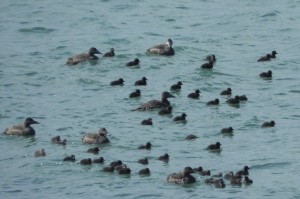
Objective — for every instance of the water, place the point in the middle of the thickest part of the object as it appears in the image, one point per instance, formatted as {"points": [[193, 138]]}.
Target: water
{"points": [[38, 37]]}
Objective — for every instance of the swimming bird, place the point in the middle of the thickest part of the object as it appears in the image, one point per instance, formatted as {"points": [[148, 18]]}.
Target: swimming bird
{"points": [[213, 102], [39, 153], [136, 93], [226, 92], [96, 138], [24, 129], [57, 140], [216, 146], [265, 58], [163, 49], [84, 57], [166, 110], [273, 54], [243, 172], [233, 101], [108, 169], [164, 102], [209, 181], [219, 183], [202, 172], [211, 58], [99, 160], [194, 95], [133, 63], [164, 157], [147, 146], [266, 74], [120, 82], [227, 130], [208, 65], [243, 98], [247, 180], [70, 158], [176, 86], [141, 82], [145, 171], [94, 150], [147, 121], [229, 175], [180, 118], [111, 53], [86, 161], [191, 137], [124, 171], [184, 177], [268, 124], [236, 180], [143, 161]]}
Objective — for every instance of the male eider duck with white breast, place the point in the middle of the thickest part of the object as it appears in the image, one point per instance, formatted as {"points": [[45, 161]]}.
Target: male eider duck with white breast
{"points": [[163, 49], [90, 55], [24, 129]]}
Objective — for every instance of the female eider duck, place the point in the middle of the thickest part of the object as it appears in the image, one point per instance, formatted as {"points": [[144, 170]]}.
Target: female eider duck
{"points": [[111, 53], [96, 138], [184, 177], [153, 104], [84, 57], [163, 49], [22, 129]]}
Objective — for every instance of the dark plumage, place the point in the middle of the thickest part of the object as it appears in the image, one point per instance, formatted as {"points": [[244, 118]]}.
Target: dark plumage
{"points": [[84, 57], [226, 92], [208, 65], [247, 180], [163, 49], [39, 153], [147, 122], [145, 171], [24, 129], [120, 81], [191, 137], [147, 146], [166, 111], [268, 124], [143, 161], [176, 86], [141, 82], [233, 101], [211, 58], [94, 150], [266, 74], [213, 102], [180, 118], [164, 157], [136, 93], [216, 146], [99, 160], [273, 54], [57, 140], [219, 183], [70, 158], [209, 181], [218, 175], [133, 63], [243, 172], [194, 95], [184, 177], [86, 161], [228, 176], [243, 98], [111, 53], [202, 172], [236, 180], [116, 163], [108, 169], [265, 58], [227, 130], [124, 171]]}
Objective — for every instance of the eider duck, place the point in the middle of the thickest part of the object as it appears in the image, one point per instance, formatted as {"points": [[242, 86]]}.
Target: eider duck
{"points": [[94, 150], [180, 118], [176, 86], [141, 82], [145, 171], [227, 130], [184, 177], [273, 54], [266, 74], [22, 129], [84, 57], [213, 102], [57, 140], [191, 137], [166, 111], [164, 157], [133, 63], [265, 58], [268, 124], [216, 146], [146, 146], [208, 65], [39, 153], [219, 183], [136, 93], [247, 180], [147, 121], [229, 175], [211, 58], [99, 160], [96, 138], [243, 172], [120, 82], [164, 102], [108, 169], [143, 161], [163, 49], [86, 161], [236, 180], [202, 172], [111, 53], [194, 95], [226, 92], [70, 158], [243, 98], [124, 171]]}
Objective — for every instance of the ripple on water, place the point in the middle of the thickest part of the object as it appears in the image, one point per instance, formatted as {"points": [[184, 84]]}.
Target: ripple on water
{"points": [[41, 30]]}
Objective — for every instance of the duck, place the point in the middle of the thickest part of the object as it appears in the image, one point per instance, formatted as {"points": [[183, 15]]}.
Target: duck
{"points": [[135, 62], [243, 98], [153, 104], [247, 180], [141, 82], [166, 110], [39, 153], [119, 81], [163, 49], [273, 54], [177, 86], [208, 65], [180, 118], [24, 129], [191, 137], [96, 138], [219, 183], [265, 58], [147, 121], [233, 101], [70, 158], [90, 55], [211, 57], [164, 157], [57, 140], [143, 161], [86, 161], [147, 146], [136, 93], [229, 175], [209, 181], [94, 150], [124, 171], [243, 172], [216, 146], [213, 102], [194, 95], [236, 180], [108, 169], [145, 171], [111, 53], [226, 92], [268, 124], [184, 177], [202, 172], [99, 160], [267, 74], [227, 130], [218, 175]]}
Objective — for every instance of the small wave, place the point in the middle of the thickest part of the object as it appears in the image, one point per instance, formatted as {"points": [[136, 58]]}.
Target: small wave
{"points": [[271, 14], [36, 30], [270, 165]]}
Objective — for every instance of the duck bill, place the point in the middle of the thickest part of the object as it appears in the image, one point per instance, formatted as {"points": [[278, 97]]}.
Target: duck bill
{"points": [[35, 122]]}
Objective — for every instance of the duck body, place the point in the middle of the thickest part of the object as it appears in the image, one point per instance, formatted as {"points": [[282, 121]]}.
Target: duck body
{"points": [[84, 57], [163, 49], [96, 138], [24, 129], [111, 53], [194, 95], [153, 104], [184, 177]]}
